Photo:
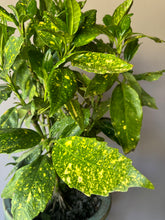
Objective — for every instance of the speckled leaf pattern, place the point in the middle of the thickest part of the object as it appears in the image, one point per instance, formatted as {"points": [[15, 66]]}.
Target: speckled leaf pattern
{"points": [[13, 139], [120, 11], [94, 168], [126, 115], [101, 109], [73, 15], [9, 119], [150, 76], [26, 8], [100, 84], [5, 92], [7, 16], [100, 63], [11, 50], [61, 88], [33, 189]]}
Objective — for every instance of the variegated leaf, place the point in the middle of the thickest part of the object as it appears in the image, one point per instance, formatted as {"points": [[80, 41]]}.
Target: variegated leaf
{"points": [[126, 115], [150, 76], [120, 11], [9, 119], [33, 189], [148, 100], [13, 139], [61, 88], [94, 168], [100, 63]]}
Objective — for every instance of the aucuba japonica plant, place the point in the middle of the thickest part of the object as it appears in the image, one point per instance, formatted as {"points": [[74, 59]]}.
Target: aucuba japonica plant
{"points": [[45, 52]]}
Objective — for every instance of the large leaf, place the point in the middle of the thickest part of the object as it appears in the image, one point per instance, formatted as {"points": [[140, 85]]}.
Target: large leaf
{"points": [[120, 11], [94, 168], [13, 139], [33, 189], [126, 114], [61, 88], [11, 50], [150, 76], [100, 63], [9, 119], [73, 15]]}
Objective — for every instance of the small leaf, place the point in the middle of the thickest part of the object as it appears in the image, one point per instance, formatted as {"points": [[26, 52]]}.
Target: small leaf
{"points": [[100, 63], [47, 62], [94, 168], [76, 112], [11, 50], [61, 88], [101, 109], [131, 49], [13, 139], [120, 11], [5, 92], [126, 115], [100, 84], [150, 76], [148, 100], [73, 15], [7, 16], [33, 189], [9, 119]]}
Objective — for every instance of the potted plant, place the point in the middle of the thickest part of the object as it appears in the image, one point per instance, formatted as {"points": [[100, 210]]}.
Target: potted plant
{"points": [[59, 110]]}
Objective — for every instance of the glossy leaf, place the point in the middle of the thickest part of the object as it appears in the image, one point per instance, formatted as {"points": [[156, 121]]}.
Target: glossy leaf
{"points": [[73, 15], [85, 36], [148, 100], [100, 84], [61, 88], [11, 50], [9, 119], [101, 110], [26, 9], [89, 18], [7, 16], [120, 11], [131, 49], [13, 139], [100, 63], [126, 115], [94, 168], [150, 76], [33, 189], [5, 93]]}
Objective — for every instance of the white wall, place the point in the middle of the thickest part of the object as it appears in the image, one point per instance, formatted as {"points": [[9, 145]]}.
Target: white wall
{"points": [[149, 158]]}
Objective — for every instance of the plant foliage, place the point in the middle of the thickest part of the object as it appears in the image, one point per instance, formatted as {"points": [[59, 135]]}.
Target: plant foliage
{"points": [[60, 109]]}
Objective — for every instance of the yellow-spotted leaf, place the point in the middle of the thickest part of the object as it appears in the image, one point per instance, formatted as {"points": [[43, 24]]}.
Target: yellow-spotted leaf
{"points": [[94, 168], [33, 189], [150, 76], [12, 139], [120, 11], [73, 15], [126, 115], [11, 50], [7, 16], [100, 63], [61, 88]]}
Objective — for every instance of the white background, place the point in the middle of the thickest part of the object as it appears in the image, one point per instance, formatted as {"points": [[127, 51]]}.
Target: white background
{"points": [[149, 157]]}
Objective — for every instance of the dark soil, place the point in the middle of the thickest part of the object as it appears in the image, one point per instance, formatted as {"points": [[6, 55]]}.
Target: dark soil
{"points": [[78, 207]]}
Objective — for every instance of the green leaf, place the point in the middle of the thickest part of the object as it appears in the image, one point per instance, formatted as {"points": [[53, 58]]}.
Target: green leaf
{"points": [[126, 115], [5, 92], [107, 19], [26, 9], [47, 62], [100, 84], [89, 18], [12, 139], [150, 76], [148, 100], [76, 112], [9, 119], [120, 11], [61, 88], [33, 189], [101, 109], [131, 49], [105, 125], [73, 15], [94, 168], [11, 50], [100, 63], [7, 16], [85, 36]]}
